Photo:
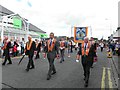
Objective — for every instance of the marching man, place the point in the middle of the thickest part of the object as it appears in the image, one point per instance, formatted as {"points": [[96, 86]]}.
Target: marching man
{"points": [[86, 53], [30, 50], [7, 48], [52, 51]]}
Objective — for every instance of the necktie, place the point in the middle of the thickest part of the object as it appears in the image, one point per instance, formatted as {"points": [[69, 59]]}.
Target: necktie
{"points": [[50, 42], [85, 49], [85, 46]]}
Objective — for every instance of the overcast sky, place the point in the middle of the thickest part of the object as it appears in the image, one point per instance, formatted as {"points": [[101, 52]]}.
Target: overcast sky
{"points": [[59, 16]]}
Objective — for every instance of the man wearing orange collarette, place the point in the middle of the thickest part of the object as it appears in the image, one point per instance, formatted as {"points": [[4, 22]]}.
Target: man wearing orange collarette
{"points": [[52, 50], [86, 53], [30, 50], [7, 47]]}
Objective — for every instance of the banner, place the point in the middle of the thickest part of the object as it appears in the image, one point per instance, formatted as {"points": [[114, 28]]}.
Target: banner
{"points": [[80, 33]]}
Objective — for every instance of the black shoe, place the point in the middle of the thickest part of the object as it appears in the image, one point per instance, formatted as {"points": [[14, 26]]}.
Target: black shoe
{"points": [[32, 68], [48, 77], [84, 78], [86, 85], [27, 70], [53, 73], [60, 61], [3, 64], [91, 66]]}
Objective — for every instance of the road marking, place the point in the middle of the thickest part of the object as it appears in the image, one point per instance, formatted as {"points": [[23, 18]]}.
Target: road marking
{"points": [[109, 79], [103, 79]]}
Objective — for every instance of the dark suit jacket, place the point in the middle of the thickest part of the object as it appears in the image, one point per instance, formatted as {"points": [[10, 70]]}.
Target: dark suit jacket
{"points": [[90, 57], [52, 54], [6, 51], [32, 49], [38, 47]]}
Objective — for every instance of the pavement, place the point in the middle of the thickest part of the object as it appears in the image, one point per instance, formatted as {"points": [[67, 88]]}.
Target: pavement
{"points": [[69, 73]]}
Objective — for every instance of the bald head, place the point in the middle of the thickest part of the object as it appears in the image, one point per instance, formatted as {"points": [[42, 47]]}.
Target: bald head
{"points": [[29, 38], [86, 39], [6, 38]]}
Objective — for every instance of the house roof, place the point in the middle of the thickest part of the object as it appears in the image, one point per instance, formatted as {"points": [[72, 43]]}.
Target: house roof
{"points": [[35, 28], [5, 11]]}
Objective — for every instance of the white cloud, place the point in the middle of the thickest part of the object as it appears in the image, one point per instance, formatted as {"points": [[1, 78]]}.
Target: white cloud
{"points": [[59, 15]]}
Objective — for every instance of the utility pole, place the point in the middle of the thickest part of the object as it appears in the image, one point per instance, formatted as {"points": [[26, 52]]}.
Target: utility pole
{"points": [[71, 31]]}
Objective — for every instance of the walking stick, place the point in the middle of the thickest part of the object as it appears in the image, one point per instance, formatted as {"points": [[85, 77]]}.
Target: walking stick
{"points": [[21, 59]]}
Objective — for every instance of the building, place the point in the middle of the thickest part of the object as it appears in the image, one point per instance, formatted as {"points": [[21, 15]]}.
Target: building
{"points": [[115, 36], [16, 27]]}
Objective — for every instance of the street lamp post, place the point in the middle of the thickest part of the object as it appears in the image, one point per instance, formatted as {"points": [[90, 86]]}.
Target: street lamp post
{"points": [[109, 25], [2, 31], [72, 27]]}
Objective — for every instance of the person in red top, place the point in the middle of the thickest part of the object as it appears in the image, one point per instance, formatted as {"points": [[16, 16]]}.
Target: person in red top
{"points": [[15, 46], [15, 50], [62, 49]]}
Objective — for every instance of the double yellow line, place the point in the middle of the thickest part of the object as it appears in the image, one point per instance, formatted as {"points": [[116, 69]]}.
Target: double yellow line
{"points": [[103, 78]]}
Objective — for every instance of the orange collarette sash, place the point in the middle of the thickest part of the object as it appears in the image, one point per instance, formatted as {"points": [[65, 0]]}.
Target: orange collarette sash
{"points": [[50, 48], [29, 46], [87, 49], [5, 46]]}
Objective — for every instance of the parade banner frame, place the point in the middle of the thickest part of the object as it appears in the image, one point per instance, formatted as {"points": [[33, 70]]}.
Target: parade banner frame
{"points": [[84, 33]]}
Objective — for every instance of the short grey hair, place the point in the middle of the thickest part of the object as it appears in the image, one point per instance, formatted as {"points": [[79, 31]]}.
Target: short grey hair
{"points": [[30, 36], [86, 38]]}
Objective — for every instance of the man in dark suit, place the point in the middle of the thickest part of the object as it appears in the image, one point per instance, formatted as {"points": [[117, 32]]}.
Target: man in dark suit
{"points": [[38, 49], [6, 48], [29, 50], [52, 51], [87, 53]]}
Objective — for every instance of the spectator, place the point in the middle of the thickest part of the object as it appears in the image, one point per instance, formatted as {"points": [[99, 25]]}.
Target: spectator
{"points": [[15, 50], [113, 48], [101, 46], [22, 46]]}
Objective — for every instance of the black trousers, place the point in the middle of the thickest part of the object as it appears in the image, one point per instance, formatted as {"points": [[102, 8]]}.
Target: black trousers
{"points": [[51, 66], [30, 62], [7, 57], [62, 54], [71, 49], [101, 49], [22, 50], [86, 63], [37, 55]]}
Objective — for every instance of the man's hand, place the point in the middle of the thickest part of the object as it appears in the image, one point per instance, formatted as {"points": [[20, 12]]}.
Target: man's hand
{"points": [[35, 52], [44, 55], [57, 56], [78, 57]]}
